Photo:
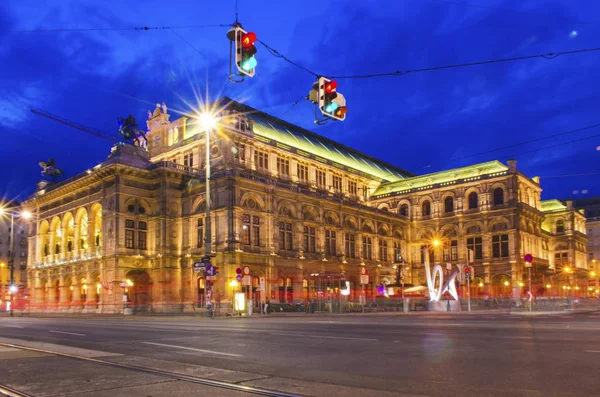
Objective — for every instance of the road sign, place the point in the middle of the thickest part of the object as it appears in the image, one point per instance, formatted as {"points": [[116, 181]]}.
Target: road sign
{"points": [[363, 271], [199, 266], [530, 296], [210, 271], [246, 270], [528, 258], [364, 279], [247, 280], [238, 278], [123, 284], [238, 270]]}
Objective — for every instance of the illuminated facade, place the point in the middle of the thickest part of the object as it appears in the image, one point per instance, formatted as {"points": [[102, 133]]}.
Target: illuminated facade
{"points": [[304, 213]]}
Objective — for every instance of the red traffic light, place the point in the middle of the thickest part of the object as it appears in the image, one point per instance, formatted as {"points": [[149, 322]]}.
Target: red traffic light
{"points": [[248, 39], [330, 87]]}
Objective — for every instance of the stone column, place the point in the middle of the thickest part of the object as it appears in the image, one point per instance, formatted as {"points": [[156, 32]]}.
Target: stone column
{"points": [[76, 301]]}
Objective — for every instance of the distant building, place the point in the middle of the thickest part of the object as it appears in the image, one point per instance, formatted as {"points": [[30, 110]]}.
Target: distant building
{"points": [[591, 208], [20, 249], [305, 214]]}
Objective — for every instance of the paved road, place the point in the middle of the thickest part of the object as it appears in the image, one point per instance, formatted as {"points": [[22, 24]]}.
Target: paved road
{"points": [[429, 355]]}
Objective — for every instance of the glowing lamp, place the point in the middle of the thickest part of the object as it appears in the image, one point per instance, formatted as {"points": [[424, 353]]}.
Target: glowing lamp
{"points": [[248, 39], [248, 64], [341, 112], [331, 87], [330, 107]]}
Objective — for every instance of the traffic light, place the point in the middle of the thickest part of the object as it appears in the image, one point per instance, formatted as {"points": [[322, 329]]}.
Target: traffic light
{"points": [[331, 103], [244, 51]]}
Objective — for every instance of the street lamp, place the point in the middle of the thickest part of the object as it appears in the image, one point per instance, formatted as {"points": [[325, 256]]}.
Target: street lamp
{"points": [[208, 122], [25, 215]]}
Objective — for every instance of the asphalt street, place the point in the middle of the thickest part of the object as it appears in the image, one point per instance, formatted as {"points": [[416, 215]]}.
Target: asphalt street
{"points": [[428, 355]]}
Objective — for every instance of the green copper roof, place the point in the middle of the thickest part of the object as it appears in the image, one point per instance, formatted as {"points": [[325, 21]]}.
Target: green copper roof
{"points": [[552, 206], [443, 177], [287, 134]]}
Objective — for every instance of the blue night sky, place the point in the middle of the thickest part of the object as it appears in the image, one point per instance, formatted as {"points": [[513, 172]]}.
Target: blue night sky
{"points": [[422, 122]]}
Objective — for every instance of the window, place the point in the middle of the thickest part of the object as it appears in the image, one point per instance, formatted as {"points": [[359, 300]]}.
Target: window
{"points": [[283, 167], [261, 159], [302, 172], [251, 231], [200, 233], [498, 196], [560, 226], [404, 210], [426, 208], [309, 239], [142, 235], [475, 244], [367, 247], [350, 245], [130, 231], [473, 200], [337, 183], [352, 188], [241, 152], [448, 204], [591, 256], [561, 258], [500, 246], [188, 160], [451, 251], [383, 250], [285, 236], [398, 252], [330, 242], [321, 181]]}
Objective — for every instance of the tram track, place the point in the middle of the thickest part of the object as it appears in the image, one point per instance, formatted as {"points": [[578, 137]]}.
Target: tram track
{"points": [[10, 392]]}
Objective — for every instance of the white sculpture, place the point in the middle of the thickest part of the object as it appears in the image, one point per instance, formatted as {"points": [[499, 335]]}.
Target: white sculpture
{"points": [[164, 108], [434, 293]]}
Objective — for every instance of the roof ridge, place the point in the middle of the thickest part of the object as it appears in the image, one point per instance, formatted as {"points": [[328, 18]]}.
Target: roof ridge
{"points": [[321, 138]]}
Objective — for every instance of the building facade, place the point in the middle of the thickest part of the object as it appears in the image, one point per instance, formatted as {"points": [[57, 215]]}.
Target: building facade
{"points": [[591, 208], [309, 218]]}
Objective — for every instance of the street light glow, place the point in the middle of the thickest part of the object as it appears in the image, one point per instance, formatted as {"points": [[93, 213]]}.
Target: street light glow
{"points": [[26, 214], [207, 120], [436, 242]]}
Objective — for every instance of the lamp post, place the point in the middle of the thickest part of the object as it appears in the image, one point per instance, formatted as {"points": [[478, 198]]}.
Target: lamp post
{"points": [[208, 121], [11, 255]]}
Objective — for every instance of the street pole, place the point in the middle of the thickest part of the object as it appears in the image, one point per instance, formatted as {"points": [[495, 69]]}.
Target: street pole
{"points": [[530, 293], [208, 234], [469, 291], [11, 260]]}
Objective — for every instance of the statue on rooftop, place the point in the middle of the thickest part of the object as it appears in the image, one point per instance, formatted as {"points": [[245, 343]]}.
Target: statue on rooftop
{"points": [[130, 131], [49, 169]]}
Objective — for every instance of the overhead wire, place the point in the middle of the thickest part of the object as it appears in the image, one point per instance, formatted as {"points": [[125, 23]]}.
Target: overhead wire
{"points": [[135, 28], [553, 146], [277, 54], [528, 142]]}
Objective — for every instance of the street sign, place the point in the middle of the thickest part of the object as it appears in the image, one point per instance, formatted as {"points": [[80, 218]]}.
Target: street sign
{"points": [[364, 271], [199, 266], [210, 271], [364, 279], [238, 270], [528, 258], [246, 270], [247, 280], [238, 278], [530, 296]]}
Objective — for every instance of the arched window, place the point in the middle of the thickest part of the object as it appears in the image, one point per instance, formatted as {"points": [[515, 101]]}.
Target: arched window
{"points": [[404, 210], [498, 196], [448, 204], [473, 200], [426, 208], [560, 226]]}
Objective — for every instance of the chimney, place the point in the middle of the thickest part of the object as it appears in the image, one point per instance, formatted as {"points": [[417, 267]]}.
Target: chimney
{"points": [[570, 204], [512, 166]]}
